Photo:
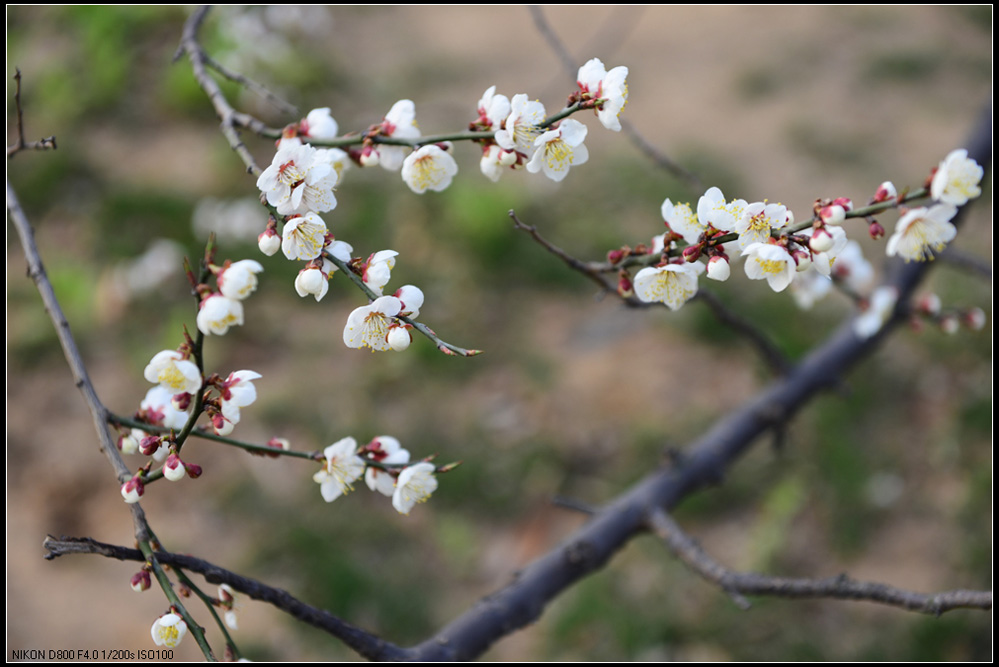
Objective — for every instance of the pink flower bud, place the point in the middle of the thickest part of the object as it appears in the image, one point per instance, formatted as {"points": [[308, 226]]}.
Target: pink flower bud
{"points": [[975, 319], [949, 325], [150, 444], [834, 214], [876, 231], [140, 581], [173, 469], [691, 253], [802, 260], [615, 256], [193, 470], [181, 402], [132, 490], [930, 304], [822, 240], [885, 192], [845, 202], [278, 443]]}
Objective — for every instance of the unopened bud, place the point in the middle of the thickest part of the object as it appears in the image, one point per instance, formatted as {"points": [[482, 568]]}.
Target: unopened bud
{"points": [[615, 256], [845, 202], [398, 338], [132, 490], [885, 192], [193, 470], [624, 285], [821, 241], [692, 253], [975, 319], [181, 401], [718, 269], [129, 443], [802, 260], [173, 469], [930, 304], [150, 444], [140, 581], [269, 242], [834, 214], [876, 231]]}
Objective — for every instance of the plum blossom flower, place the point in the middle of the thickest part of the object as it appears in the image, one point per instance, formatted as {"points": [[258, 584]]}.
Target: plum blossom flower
{"points": [[823, 261], [429, 168], [758, 220], [415, 485], [304, 237], [559, 149], [810, 287], [611, 88], [319, 124], [493, 109], [719, 268], [852, 268], [343, 467], [412, 300], [400, 123], [672, 284], [521, 126], [712, 210], [160, 410], [377, 271], [169, 630], [384, 449], [368, 326], [299, 179], [683, 221], [773, 262], [239, 279], [882, 304], [218, 313], [495, 160], [921, 232], [173, 372], [312, 281], [237, 391], [957, 178]]}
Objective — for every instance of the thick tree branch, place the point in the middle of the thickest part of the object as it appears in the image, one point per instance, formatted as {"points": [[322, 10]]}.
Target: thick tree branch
{"points": [[840, 587]]}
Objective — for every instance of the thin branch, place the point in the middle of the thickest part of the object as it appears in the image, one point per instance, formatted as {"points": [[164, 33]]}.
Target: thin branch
{"points": [[840, 587], [365, 643], [261, 90], [769, 352], [571, 67], [965, 260], [44, 144]]}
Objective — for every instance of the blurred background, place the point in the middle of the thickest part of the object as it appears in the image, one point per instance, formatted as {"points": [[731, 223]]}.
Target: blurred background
{"points": [[574, 395]]}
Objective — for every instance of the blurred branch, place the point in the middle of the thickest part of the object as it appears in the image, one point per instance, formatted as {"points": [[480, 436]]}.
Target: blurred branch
{"points": [[43, 144], [967, 261], [366, 644], [769, 352], [571, 67], [840, 587], [228, 116], [249, 83]]}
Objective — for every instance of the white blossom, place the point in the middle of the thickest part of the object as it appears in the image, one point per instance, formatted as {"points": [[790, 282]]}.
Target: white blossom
{"points": [[377, 271], [169, 630], [957, 178], [319, 124], [683, 221], [521, 127], [312, 281], [239, 279], [773, 262], [882, 304], [343, 467], [559, 149], [368, 326], [159, 407], [610, 87], [429, 168], [237, 391], [757, 221], [171, 371], [299, 179], [415, 485], [400, 123], [713, 210], [390, 452], [922, 232], [493, 109], [304, 237], [672, 284], [217, 314]]}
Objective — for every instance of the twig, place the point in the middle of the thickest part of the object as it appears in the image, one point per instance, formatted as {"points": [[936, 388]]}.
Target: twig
{"points": [[287, 107], [771, 354], [571, 67], [365, 643], [43, 144], [967, 261], [839, 587], [443, 346]]}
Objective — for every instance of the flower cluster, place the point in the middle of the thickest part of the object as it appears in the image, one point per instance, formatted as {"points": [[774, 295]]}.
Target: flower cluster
{"points": [[809, 257], [223, 308], [386, 469]]}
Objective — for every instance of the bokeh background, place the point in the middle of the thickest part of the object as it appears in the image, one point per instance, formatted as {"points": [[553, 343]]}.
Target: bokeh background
{"points": [[891, 481]]}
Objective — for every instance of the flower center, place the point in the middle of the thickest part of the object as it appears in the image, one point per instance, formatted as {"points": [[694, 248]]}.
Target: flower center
{"points": [[558, 155], [771, 266], [376, 327], [429, 172], [171, 377]]}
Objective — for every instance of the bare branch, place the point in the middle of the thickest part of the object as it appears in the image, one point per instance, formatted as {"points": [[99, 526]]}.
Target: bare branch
{"points": [[365, 643], [44, 144], [570, 65], [768, 351], [281, 104], [839, 587]]}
